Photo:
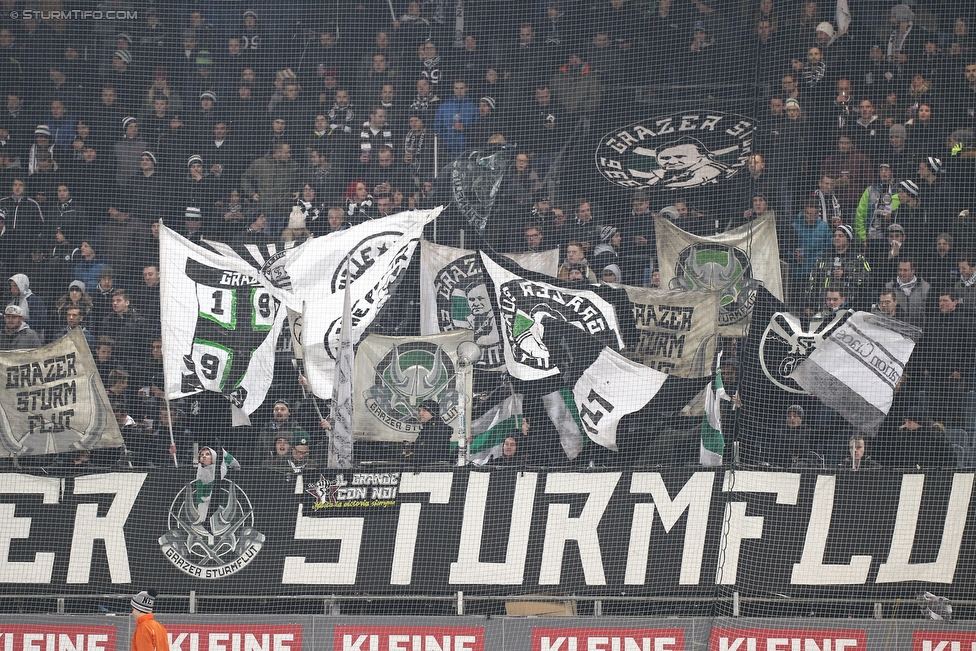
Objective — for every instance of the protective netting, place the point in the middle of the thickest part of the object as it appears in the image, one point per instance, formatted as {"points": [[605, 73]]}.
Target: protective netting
{"points": [[647, 262]]}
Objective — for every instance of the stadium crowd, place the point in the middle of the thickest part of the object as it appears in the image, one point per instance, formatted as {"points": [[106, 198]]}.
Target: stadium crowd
{"points": [[273, 124]]}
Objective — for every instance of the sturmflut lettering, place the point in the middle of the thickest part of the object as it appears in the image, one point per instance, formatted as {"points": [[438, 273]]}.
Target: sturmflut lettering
{"points": [[30, 559]]}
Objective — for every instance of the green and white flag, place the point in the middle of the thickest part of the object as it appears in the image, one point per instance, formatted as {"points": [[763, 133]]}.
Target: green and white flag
{"points": [[712, 441], [495, 425]]}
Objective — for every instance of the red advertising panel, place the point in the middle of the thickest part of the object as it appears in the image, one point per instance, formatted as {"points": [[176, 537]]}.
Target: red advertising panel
{"points": [[608, 639], [409, 638], [787, 639], [943, 641], [55, 637], [234, 637]]}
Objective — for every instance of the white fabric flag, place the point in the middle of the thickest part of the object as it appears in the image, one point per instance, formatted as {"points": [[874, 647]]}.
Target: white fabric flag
{"points": [[856, 369], [319, 266], [53, 401], [395, 374], [732, 264], [322, 314], [219, 325], [842, 17], [612, 387]]}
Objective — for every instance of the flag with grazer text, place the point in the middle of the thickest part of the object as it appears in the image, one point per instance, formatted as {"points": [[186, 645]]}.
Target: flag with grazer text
{"points": [[526, 304], [220, 325], [53, 400], [453, 295]]}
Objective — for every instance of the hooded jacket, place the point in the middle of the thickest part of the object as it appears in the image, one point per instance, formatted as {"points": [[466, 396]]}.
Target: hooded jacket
{"points": [[35, 312], [22, 339]]}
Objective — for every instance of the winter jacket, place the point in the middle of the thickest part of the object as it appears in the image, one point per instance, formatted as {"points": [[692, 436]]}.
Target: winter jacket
{"points": [[23, 339], [149, 635]]}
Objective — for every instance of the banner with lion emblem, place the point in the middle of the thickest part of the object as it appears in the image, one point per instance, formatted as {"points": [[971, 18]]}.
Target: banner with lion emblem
{"points": [[733, 264], [395, 374]]}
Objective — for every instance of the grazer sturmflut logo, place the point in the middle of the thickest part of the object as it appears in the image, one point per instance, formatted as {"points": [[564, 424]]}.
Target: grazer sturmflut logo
{"points": [[678, 151], [718, 268], [410, 373], [212, 532]]}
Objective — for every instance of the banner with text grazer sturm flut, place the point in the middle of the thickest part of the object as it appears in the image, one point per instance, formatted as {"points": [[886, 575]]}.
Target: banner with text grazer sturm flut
{"points": [[876, 534]]}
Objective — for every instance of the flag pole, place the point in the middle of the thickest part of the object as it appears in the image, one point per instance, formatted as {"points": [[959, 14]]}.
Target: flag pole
{"points": [[172, 441]]}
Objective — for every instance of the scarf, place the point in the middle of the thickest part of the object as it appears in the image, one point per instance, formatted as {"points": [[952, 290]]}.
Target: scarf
{"points": [[908, 287], [366, 136], [834, 210], [344, 114], [897, 40], [206, 478], [814, 72]]}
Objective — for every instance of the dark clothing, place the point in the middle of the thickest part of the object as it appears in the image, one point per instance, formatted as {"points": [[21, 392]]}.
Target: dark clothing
{"points": [[433, 443]]}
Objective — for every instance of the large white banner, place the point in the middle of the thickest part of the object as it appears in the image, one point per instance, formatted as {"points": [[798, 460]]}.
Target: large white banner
{"points": [[322, 316], [395, 374], [319, 266], [731, 264], [53, 401], [453, 295], [219, 324]]}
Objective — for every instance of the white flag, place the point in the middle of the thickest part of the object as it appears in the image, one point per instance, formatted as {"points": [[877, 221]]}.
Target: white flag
{"points": [[453, 295], [527, 305], [322, 314], [319, 266], [612, 387], [219, 325], [856, 369], [340, 447], [395, 374], [53, 401], [842, 17], [732, 264]]}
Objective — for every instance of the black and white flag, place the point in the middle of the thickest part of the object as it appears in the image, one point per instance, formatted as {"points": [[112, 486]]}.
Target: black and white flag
{"points": [[855, 370], [527, 304], [219, 326], [453, 295]]}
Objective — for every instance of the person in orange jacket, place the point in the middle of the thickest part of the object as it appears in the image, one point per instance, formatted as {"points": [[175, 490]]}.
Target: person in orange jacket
{"points": [[149, 635]]}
